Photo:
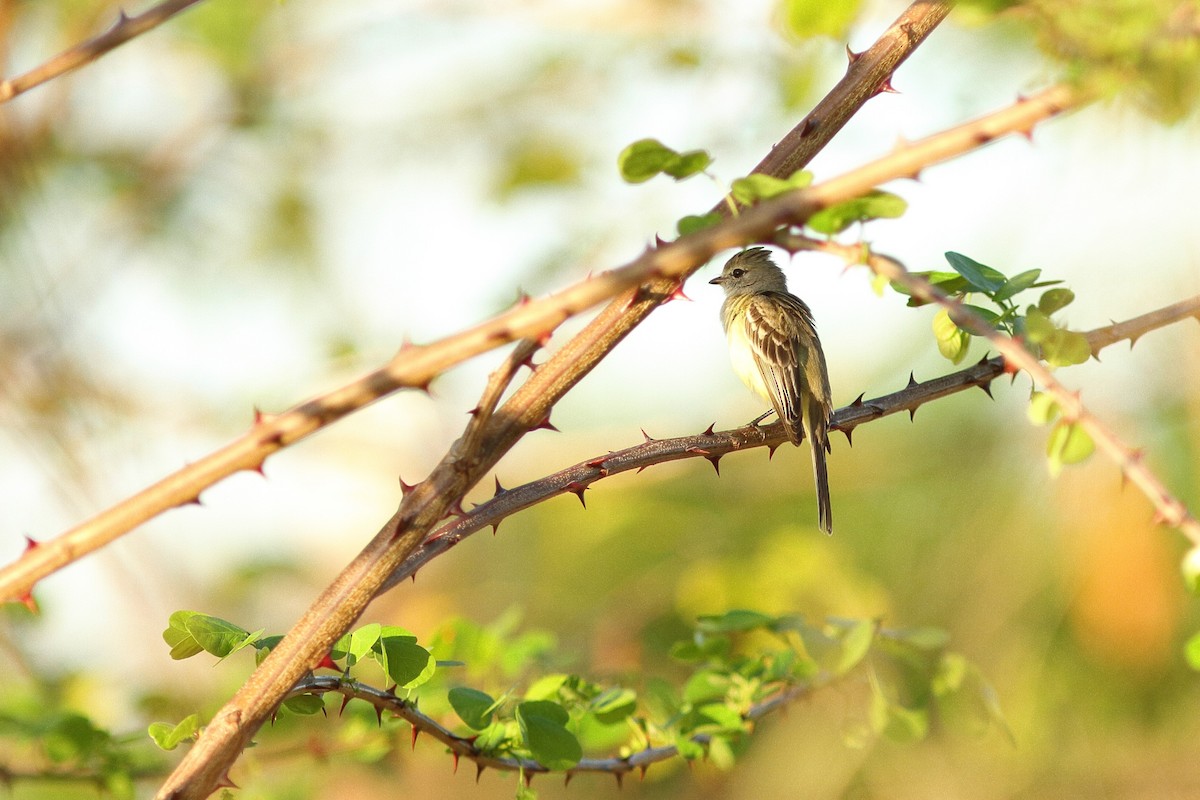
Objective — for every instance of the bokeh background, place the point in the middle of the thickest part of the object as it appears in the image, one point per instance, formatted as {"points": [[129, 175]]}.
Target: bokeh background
{"points": [[259, 201]]}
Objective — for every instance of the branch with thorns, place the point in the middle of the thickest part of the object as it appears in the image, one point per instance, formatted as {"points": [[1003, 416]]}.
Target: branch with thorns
{"points": [[124, 29]]}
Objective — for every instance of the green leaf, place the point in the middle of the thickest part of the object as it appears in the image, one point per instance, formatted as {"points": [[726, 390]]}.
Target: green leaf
{"points": [[685, 165], [182, 643], [1042, 409], [1069, 444], [803, 19], [720, 753], [645, 158], [1038, 327], [988, 316], [473, 707], [1191, 651], [757, 186], [168, 736], [876, 204], [406, 662], [688, 747], [952, 341], [1017, 284], [692, 223], [705, 685], [217, 636], [906, 725], [1190, 566], [1054, 300], [1065, 348], [615, 704], [733, 621], [305, 704], [546, 686], [981, 277], [359, 644], [856, 643], [543, 730]]}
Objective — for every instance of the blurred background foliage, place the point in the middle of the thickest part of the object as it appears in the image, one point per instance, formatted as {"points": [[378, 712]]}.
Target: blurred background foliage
{"points": [[259, 200]]}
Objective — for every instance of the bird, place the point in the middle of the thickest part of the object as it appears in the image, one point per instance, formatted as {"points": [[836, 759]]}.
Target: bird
{"points": [[774, 349]]}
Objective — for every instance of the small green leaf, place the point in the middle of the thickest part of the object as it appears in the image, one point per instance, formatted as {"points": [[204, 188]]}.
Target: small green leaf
{"points": [[615, 704], [804, 19], [720, 753], [688, 747], [685, 165], [1069, 444], [305, 704], [406, 662], [1017, 284], [873, 205], [216, 635], [983, 278], [1053, 300], [906, 725], [735, 620], [952, 341], [645, 158], [856, 643], [182, 643], [988, 316], [692, 223], [705, 685], [1065, 348], [168, 736], [473, 707], [543, 730], [1038, 327], [546, 686], [1042, 409], [361, 643]]}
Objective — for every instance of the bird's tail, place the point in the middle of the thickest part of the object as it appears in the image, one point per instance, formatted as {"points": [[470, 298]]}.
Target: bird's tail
{"points": [[821, 478]]}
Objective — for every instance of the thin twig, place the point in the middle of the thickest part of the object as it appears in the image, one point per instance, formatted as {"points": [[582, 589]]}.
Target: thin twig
{"points": [[124, 29]]}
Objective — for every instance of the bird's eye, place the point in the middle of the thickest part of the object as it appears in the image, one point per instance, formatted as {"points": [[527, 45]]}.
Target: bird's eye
{"points": [[737, 273]]}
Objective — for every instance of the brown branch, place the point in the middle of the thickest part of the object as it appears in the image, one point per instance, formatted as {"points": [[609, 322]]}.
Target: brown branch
{"points": [[714, 445], [416, 366], [464, 746], [206, 765], [1168, 508], [124, 29]]}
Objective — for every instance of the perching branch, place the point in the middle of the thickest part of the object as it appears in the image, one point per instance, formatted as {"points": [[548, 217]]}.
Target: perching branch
{"points": [[124, 29], [1168, 508]]}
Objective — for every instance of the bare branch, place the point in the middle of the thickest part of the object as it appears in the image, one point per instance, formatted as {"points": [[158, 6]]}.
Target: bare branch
{"points": [[124, 29]]}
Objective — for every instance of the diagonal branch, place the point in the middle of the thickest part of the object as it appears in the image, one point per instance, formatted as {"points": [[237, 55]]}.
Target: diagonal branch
{"points": [[124, 29], [1168, 508]]}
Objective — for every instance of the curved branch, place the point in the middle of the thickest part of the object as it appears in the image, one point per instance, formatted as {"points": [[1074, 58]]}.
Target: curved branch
{"points": [[124, 29]]}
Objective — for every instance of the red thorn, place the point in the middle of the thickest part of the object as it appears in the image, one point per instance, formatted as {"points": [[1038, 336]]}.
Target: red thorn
{"points": [[415, 732], [378, 716], [642, 769], [567, 778], [413, 576], [577, 489], [858, 401], [912, 381], [986, 386], [259, 468], [912, 413], [495, 527], [28, 601], [456, 509], [885, 87], [848, 431], [716, 462], [620, 776], [326, 662], [659, 242], [545, 424], [499, 489], [522, 299], [709, 430], [597, 463], [852, 56], [474, 411], [225, 782], [31, 543], [345, 700], [528, 776], [677, 294], [454, 753], [405, 488], [771, 448], [193, 501], [646, 435], [406, 343], [478, 771]]}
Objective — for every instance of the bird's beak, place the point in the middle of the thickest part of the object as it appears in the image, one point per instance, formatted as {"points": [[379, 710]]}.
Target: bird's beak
{"points": [[718, 280]]}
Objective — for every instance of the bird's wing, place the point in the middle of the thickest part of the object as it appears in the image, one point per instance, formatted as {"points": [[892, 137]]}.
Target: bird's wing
{"points": [[778, 341]]}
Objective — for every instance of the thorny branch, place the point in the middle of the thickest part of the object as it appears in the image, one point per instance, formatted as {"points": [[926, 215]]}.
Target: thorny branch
{"points": [[714, 445], [206, 765], [124, 29], [1168, 508]]}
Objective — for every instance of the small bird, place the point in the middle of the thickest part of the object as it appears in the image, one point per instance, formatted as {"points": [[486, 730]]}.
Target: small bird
{"points": [[774, 348]]}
